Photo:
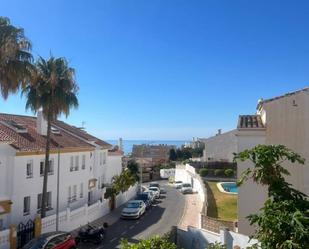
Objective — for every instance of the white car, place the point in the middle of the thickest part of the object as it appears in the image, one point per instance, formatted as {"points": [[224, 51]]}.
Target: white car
{"points": [[156, 191], [151, 194], [186, 188], [133, 210], [178, 184]]}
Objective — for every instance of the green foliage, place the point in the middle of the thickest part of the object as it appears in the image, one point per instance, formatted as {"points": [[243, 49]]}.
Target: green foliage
{"points": [[216, 245], [218, 172], [283, 221], [203, 172], [123, 182], [152, 243], [229, 172], [15, 58], [134, 169]]}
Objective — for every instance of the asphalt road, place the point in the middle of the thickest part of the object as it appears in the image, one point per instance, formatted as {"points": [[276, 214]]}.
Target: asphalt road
{"points": [[167, 212]]}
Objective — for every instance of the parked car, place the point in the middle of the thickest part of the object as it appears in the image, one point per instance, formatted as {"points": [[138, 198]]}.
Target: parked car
{"points": [[186, 188], [178, 184], [154, 184], [156, 191], [145, 197], [152, 195], [52, 240], [134, 209], [91, 234]]}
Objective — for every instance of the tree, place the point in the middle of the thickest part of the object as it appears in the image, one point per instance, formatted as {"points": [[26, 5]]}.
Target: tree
{"points": [[152, 243], [172, 156], [283, 221], [15, 58], [52, 89], [134, 169]]}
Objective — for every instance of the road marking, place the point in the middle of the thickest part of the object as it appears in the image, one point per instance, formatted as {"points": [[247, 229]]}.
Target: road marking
{"points": [[131, 227], [123, 233], [112, 240], [137, 222]]}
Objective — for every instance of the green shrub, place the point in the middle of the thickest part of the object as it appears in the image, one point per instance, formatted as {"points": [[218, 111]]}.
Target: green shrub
{"points": [[203, 172], [216, 245], [229, 172], [219, 172], [152, 243]]}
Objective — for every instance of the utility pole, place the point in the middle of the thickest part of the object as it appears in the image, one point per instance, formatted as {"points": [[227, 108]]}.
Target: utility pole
{"points": [[58, 176]]}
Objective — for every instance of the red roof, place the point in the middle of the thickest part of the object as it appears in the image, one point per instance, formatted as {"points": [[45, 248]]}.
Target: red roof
{"points": [[69, 136]]}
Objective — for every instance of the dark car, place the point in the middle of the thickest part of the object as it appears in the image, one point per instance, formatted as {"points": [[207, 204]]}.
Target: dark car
{"points": [[145, 198], [53, 240]]}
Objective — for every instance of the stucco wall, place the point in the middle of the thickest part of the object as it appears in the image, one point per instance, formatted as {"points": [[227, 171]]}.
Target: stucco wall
{"points": [[220, 147], [250, 195], [287, 121]]}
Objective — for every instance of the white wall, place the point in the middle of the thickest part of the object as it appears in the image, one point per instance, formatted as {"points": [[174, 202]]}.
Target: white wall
{"points": [[23, 186], [220, 147], [4, 239], [200, 238], [187, 174], [114, 167], [250, 195]]}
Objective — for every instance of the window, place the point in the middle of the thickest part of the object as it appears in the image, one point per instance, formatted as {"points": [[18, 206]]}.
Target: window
{"points": [[51, 167], [26, 205], [71, 163], [81, 193], [69, 195], [29, 168], [104, 157], [74, 193], [99, 182], [39, 201], [42, 168], [83, 161], [49, 200], [76, 162]]}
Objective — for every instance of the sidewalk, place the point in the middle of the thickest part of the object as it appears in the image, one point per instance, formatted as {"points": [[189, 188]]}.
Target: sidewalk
{"points": [[192, 212], [110, 218]]}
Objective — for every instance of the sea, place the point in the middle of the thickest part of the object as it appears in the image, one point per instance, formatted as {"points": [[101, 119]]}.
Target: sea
{"points": [[128, 144]]}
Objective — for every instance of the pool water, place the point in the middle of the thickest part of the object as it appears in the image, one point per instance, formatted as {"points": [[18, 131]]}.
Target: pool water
{"points": [[229, 187]]}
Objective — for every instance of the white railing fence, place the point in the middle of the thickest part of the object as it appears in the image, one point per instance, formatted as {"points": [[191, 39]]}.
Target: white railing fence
{"points": [[5, 239], [72, 219]]}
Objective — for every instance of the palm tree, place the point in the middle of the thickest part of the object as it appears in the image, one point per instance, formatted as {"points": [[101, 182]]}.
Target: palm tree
{"points": [[52, 89], [15, 58]]}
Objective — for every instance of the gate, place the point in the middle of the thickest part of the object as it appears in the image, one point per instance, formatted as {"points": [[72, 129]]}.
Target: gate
{"points": [[25, 232]]}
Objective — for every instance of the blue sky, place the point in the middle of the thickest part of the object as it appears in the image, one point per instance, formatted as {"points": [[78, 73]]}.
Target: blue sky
{"points": [[168, 69]]}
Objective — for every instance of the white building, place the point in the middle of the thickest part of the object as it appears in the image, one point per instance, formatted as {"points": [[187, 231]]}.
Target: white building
{"points": [[280, 120], [86, 164]]}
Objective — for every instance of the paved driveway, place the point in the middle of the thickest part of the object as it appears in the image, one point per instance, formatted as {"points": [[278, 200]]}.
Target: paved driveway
{"points": [[156, 221]]}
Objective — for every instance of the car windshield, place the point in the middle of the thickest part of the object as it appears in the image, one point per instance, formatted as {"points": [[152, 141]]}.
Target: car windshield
{"points": [[186, 185], [154, 188], [178, 182], [154, 185], [142, 197], [133, 205]]}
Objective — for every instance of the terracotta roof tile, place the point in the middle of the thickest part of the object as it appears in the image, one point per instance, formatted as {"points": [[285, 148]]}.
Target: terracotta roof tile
{"points": [[33, 141], [250, 122]]}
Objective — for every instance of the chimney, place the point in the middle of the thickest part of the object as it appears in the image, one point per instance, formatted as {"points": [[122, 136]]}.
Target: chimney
{"points": [[41, 124], [219, 132]]}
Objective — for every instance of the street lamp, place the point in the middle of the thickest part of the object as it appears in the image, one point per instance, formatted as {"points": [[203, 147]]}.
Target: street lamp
{"points": [[58, 176]]}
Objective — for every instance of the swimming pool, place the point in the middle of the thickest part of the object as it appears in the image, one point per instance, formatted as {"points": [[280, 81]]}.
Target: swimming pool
{"points": [[228, 187]]}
